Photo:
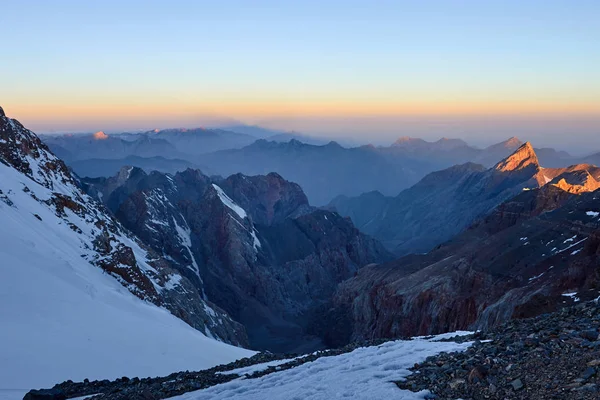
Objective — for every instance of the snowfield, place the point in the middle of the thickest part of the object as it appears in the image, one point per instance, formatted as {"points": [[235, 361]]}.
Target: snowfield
{"points": [[63, 318], [365, 373]]}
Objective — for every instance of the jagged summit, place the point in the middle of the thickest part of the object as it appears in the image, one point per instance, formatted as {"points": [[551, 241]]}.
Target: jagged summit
{"points": [[21, 149], [2, 112], [524, 157]]}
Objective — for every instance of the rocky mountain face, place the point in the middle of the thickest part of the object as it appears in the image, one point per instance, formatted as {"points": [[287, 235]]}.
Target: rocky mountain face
{"points": [[533, 254], [253, 245], [445, 202], [104, 242]]}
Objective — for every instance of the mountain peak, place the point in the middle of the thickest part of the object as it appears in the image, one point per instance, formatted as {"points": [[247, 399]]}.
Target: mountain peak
{"points": [[513, 142], [2, 112], [333, 144], [100, 136], [522, 158], [407, 140], [23, 150]]}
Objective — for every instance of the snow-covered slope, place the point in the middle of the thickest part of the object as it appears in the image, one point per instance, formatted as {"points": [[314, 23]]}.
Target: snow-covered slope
{"points": [[79, 296], [365, 373]]}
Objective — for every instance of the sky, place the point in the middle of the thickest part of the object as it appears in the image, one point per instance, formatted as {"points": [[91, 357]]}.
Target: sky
{"points": [[370, 70]]}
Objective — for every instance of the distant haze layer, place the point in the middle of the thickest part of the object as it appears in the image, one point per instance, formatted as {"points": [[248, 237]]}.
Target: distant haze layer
{"points": [[576, 133]]}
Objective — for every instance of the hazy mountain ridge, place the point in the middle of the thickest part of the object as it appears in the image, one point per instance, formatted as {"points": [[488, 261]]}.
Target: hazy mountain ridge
{"points": [[324, 169], [85, 153], [100, 167], [330, 170]]}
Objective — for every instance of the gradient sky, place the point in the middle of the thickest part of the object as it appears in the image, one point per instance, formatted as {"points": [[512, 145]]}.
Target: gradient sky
{"points": [[374, 70]]}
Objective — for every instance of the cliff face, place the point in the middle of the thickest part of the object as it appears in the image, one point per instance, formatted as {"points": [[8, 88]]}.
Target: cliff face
{"points": [[517, 262], [252, 245]]}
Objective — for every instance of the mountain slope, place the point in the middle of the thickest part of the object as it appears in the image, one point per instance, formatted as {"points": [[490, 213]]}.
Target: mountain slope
{"points": [[77, 287], [252, 244], [519, 261], [445, 202]]}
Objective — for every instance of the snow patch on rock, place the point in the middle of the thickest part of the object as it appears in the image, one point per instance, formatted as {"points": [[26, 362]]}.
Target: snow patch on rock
{"points": [[365, 373], [229, 203]]}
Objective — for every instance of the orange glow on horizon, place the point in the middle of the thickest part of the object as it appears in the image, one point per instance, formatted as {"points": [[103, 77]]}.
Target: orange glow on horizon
{"points": [[276, 109]]}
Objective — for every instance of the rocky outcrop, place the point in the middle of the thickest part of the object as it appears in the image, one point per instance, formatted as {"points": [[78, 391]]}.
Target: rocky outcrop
{"points": [[105, 243], [269, 199], [528, 204], [506, 363], [576, 182]]}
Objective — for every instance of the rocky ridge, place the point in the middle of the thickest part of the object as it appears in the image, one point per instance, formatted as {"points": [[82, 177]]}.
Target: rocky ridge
{"points": [[252, 245], [105, 243]]}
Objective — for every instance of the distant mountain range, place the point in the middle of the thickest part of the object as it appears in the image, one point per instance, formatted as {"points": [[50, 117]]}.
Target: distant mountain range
{"points": [[326, 171], [323, 170], [98, 167], [445, 202], [168, 143]]}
